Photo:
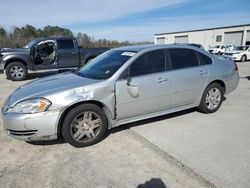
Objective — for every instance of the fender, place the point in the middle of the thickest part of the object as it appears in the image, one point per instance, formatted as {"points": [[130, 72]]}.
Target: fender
{"points": [[21, 58]]}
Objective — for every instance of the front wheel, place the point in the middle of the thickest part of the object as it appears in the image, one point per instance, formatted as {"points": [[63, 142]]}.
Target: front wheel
{"points": [[84, 125], [243, 58], [16, 71], [212, 98]]}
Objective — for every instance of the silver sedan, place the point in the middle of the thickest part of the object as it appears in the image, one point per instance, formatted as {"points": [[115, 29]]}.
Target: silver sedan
{"points": [[120, 86]]}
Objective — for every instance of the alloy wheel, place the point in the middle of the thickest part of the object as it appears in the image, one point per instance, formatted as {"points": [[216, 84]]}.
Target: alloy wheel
{"points": [[213, 98], [86, 126]]}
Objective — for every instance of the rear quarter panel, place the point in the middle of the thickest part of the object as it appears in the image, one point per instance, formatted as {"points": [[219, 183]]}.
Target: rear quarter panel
{"points": [[224, 70]]}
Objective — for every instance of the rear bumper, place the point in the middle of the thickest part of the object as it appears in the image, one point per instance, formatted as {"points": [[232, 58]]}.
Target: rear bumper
{"points": [[232, 82]]}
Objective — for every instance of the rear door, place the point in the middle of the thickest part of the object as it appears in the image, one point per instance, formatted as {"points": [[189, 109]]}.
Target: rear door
{"points": [[147, 89], [67, 53], [188, 78]]}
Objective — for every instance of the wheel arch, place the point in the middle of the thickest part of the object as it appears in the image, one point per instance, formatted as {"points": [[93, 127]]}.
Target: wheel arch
{"points": [[221, 83], [15, 60], [105, 109]]}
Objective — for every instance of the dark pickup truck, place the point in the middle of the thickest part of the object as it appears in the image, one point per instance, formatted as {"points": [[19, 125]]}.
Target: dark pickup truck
{"points": [[45, 53]]}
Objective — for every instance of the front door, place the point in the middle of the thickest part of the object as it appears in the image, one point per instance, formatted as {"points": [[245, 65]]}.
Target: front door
{"points": [[43, 55], [147, 89]]}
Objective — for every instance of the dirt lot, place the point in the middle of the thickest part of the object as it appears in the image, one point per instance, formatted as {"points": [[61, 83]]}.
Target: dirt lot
{"points": [[123, 159]]}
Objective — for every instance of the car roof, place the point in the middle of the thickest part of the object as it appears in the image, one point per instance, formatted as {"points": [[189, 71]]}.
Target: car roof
{"points": [[137, 48], [55, 38]]}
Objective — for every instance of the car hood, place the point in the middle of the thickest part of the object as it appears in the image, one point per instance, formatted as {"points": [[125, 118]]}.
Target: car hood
{"points": [[15, 51], [48, 85]]}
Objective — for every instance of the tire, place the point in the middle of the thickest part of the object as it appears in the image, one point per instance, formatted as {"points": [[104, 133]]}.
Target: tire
{"points": [[16, 71], [243, 58], [212, 98], [84, 125]]}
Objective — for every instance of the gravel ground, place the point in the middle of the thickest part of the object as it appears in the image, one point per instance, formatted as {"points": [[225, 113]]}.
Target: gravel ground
{"points": [[122, 159]]}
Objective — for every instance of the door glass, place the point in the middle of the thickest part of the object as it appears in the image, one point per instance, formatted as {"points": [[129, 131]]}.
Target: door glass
{"points": [[151, 62], [65, 44], [183, 58]]}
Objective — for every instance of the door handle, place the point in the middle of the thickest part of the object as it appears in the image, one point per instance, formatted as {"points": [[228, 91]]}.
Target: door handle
{"points": [[74, 53], [160, 80], [202, 72]]}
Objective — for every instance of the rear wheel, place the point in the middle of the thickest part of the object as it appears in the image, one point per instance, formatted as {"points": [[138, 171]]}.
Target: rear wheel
{"points": [[243, 58], [212, 98], [16, 71], [84, 125]]}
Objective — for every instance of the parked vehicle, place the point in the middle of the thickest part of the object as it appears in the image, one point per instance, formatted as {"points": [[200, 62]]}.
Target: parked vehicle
{"points": [[240, 53], [217, 49], [191, 44], [220, 49], [196, 45], [120, 86], [45, 53]]}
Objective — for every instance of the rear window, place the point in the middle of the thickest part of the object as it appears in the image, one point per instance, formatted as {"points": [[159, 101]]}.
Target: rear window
{"points": [[65, 44], [183, 58]]}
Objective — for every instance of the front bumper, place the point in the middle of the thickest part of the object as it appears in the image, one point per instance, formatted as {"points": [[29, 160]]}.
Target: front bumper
{"points": [[32, 127], [1, 67], [233, 57]]}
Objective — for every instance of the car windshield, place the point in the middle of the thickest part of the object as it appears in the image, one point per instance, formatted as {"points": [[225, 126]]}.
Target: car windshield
{"points": [[105, 65], [241, 48], [32, 43]]}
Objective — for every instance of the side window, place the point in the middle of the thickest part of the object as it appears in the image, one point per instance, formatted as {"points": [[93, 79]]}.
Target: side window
{"points": [[65, 44], [151, 62], [183, 58], [204, 60]]}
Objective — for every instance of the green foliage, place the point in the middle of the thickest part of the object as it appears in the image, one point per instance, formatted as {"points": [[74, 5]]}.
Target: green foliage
{"points": [[23, 35]]}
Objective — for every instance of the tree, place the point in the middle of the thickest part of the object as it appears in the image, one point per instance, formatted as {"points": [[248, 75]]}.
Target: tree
{"points": [[19, 36]]}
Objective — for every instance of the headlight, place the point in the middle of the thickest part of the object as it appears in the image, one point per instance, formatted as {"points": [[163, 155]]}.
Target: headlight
{"points": [[31, 106]]}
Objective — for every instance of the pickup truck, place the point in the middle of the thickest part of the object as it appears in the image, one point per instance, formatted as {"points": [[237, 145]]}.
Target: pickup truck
{"points": [[45, 53]]}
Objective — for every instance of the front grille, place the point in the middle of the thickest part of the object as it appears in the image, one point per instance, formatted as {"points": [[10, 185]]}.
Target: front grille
{"points": [[22, 133], [230, 54]]}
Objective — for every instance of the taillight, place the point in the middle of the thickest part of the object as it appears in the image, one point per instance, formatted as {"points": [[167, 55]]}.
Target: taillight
{"points": [[236, 68]]}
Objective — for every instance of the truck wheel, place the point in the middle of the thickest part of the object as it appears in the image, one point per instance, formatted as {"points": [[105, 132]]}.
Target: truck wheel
{"points": [[84, 125], [16, 71], [211, 99], [243, 58]]}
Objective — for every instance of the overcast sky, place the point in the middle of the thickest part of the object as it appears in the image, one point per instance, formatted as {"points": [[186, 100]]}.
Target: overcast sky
{"points": [[134, 20]]}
